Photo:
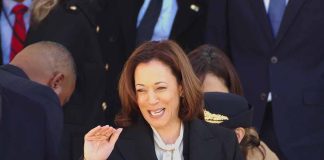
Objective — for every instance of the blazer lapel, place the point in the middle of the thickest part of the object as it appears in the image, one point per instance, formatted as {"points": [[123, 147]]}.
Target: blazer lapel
{"points": [[137, 142], [292, 10], [262, 18], [0, 36], [187, 12], [200, 135], [129, 19]]}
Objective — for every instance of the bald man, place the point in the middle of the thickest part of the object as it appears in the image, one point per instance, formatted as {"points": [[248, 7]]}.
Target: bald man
{"points": [[38, 81]]}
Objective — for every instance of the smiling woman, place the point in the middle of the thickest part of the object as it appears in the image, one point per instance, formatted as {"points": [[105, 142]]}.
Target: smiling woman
{"points": [[161, 112]]}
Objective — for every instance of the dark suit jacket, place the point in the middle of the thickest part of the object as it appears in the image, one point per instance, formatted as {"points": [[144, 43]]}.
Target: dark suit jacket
{"points": [[118, 36], [290, 66], [0, 104], [76, 30], [0, 35], [202, 141], [32, 118]]}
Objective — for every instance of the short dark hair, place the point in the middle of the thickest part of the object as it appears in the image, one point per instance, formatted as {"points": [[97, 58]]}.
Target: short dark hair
{"points": [[209, 59]]}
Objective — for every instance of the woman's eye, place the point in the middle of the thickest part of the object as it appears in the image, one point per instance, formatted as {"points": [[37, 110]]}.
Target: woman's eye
{"points": [[161, 88], [139, 90]]}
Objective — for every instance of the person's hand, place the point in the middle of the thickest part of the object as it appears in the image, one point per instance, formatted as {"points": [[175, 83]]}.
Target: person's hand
{"points": [[99, 142]]}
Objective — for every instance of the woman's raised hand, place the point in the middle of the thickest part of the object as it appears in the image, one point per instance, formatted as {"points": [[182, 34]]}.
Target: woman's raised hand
{"points": [[99, 142]]}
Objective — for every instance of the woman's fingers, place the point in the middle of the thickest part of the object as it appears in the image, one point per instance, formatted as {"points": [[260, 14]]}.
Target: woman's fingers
{"points": [[103, 133], [108, 131], [115, 135], [97, 133], [92, 132]]}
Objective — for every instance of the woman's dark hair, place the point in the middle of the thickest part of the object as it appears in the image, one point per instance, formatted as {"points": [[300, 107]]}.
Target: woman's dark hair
{"points": [[250, 141], [209, 59]]}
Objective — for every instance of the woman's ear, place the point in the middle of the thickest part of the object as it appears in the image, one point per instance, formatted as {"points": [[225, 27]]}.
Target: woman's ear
{"points": [[181, 91], [240, 133], [56, 83]]}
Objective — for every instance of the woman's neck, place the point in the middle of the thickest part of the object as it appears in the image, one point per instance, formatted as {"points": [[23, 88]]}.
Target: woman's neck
{"points": [[170, 133]]}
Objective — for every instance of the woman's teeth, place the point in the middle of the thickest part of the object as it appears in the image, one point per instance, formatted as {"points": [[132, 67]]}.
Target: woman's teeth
{"points": [[157, 112]]}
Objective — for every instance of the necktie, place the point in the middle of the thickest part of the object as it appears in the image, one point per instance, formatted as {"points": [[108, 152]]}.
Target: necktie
{"points": [[19, 30], [276, 12], [146, 27]]}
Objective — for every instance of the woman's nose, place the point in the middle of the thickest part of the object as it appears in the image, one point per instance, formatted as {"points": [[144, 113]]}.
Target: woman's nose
{"points": [[152, 98]]}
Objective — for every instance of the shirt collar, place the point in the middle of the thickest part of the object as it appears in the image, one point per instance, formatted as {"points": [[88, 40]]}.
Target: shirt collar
{"points": [[162, 145], [9, 4]]}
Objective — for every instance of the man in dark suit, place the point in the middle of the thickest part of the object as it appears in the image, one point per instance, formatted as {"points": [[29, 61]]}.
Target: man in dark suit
{"points": [[179, 20], [0, 104], [71, 23], [39, 80], [277, 49]]}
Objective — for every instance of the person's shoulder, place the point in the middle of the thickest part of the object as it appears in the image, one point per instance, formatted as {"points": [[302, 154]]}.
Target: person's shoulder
{"points": [[71, 12], [82, 8], [225, 135], [269, 154], [215, 128], [29, 89], [21, 94], [138, 127]]}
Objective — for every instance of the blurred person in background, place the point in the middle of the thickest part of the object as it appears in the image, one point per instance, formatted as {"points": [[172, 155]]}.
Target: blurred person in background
{"points": [[219, 78], [277, 49], [233, 112], [125, 24], [72, 24], [215, 70]]}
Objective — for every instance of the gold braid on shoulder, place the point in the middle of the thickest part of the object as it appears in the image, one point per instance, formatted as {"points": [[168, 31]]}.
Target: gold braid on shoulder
{"points": [[214, 118]]}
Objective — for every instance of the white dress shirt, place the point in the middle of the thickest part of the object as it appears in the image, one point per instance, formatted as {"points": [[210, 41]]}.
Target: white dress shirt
{"points": [[168, 151], [164, 24], [267, 3]]}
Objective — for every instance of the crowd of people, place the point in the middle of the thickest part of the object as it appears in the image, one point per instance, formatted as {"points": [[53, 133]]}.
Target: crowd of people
{"points": [[161, 79]]}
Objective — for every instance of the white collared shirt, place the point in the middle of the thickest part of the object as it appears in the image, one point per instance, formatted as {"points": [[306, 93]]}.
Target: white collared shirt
{"points": [[163, 27], [169, 151], [6, 30], [267, 3]]}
